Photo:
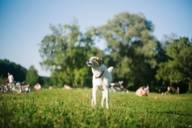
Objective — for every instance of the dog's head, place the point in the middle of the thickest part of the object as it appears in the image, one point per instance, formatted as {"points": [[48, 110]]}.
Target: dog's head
{"points": [[94, 62]]}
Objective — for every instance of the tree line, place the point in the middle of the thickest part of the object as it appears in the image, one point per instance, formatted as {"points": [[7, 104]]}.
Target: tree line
{"points": [[20, 73], [138, 57], [136, 54]]}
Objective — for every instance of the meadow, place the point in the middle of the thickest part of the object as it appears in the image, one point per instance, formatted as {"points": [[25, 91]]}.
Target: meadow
{"points": [[59, 108]]}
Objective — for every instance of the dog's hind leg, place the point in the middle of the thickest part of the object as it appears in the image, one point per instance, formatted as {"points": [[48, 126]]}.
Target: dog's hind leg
{"points": [[105, 98]]}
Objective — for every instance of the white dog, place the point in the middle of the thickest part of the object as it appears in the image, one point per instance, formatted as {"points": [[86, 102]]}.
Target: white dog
{"points": [[101, 77]]}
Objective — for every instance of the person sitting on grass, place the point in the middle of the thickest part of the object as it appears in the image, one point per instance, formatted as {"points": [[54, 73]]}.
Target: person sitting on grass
{"points": [[142, 91]]}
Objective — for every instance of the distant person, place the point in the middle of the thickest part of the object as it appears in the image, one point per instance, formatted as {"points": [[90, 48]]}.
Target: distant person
{"points": [[10, 80], [178, 90]]}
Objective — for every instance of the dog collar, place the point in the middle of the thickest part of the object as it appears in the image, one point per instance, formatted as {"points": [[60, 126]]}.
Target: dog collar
{"points": [[100, 74]]}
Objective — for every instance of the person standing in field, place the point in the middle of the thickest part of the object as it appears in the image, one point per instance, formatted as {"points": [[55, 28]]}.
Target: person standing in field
{"points": [[10, 80]]}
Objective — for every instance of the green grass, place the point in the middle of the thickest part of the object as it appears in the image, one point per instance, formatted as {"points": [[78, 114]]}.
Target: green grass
{"points": [[71, 108]]}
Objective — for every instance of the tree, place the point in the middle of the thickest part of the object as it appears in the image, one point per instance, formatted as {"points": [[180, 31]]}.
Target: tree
{"points": [[65, 52], [44, 80], [32, 76], [138, 58], [179, 64], [18, 71], [132, 46]]}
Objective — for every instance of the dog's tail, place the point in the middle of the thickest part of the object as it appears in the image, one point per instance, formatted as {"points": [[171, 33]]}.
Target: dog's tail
{"points": [[110, 69]]}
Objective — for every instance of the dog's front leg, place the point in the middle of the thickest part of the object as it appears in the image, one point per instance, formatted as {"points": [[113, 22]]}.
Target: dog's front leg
{"points": [[103, 99], [94, 94], [107, 98]]}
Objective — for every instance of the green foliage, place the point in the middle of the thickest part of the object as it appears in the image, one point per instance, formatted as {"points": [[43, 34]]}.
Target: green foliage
{"points": [[44, 80], [138, 58], [82, 77], [65, 53], [58, 108], [132, 47], [179, 64], [32, 76], [18, 71], [130, 43], [2, 80]]}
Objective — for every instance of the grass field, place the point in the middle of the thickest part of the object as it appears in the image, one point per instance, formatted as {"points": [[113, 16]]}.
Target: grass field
{"points": [[71, 109]]}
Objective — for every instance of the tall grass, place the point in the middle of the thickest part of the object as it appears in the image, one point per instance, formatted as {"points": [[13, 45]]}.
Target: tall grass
{"points": [[58, 108]]}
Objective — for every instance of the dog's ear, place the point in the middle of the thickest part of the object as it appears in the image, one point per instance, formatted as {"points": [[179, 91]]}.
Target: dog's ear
{"points": [[95, 60], [100, 60]]}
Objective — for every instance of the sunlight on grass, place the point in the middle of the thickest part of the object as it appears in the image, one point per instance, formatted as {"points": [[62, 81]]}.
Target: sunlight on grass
{"points": [[71, 108]]}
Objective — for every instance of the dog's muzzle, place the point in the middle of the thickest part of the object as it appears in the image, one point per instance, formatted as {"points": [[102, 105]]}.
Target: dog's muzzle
{"points": [[89, 63]]}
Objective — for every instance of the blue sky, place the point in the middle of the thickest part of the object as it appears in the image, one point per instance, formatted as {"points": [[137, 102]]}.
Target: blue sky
{"points": [[24, 23]]}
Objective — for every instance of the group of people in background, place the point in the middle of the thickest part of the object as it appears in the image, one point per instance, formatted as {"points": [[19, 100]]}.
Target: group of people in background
{"points": [[12, 86], [141, 91]]}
